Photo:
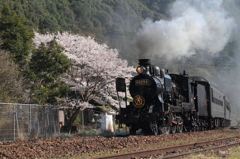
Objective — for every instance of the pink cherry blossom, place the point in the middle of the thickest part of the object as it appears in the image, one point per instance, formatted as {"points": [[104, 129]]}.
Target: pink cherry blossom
{"points": [[96, 66]]}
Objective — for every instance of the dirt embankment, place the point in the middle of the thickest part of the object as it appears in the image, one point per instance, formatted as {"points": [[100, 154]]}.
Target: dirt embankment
{"points": [[78, 146]]}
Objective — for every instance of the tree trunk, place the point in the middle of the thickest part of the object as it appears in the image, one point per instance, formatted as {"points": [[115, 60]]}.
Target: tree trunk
{"points": [[72, 119]]}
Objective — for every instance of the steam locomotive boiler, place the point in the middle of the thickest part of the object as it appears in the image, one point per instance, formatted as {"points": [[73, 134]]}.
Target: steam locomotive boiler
{"points": [[171, 103]]}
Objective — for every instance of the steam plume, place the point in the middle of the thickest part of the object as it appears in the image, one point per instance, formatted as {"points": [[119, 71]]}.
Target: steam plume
{"points": [[199, 25]]}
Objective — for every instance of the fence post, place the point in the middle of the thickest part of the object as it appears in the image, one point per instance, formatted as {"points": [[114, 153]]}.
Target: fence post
{"points": [[17, 121], [45, 121], [49, 117], [59, 128], [14, 127], [30, 123]]}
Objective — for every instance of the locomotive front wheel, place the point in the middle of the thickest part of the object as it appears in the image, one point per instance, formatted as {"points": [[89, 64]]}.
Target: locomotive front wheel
{"points": [[195, 128], [179, 128], [154, 127], [165, 130], [173, 129]]}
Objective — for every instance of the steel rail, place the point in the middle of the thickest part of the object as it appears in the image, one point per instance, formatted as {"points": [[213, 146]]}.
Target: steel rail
{"points": [[170, 149], [214, 148]]}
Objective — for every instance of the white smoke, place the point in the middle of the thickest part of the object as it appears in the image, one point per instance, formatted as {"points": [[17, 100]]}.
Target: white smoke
{"points": [[199, 25]]}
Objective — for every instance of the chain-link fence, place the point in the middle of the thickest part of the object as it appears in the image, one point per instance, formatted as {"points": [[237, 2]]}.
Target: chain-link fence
{"points": [[23, 121], [89, 121]]}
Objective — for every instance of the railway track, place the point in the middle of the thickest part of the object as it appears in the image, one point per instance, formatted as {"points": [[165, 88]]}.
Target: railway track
{"points": [[179, 150], [89, 147]]}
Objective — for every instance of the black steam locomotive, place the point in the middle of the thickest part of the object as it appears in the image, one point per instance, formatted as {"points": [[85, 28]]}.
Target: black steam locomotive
{"points": [[171, 103]]}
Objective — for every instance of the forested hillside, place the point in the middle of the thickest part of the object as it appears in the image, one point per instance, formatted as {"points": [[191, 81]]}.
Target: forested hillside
{"points": [[113, 21]]}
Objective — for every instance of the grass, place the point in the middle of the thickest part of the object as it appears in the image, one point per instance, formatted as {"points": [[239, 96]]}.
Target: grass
{"points": [[231, 153]]}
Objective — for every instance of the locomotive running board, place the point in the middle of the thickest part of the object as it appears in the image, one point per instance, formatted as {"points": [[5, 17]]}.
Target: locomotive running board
{"points": [[176, 108]]}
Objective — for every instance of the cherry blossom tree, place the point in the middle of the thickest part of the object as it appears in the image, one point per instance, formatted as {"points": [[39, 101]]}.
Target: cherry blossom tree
{"points": [[96, 66]]}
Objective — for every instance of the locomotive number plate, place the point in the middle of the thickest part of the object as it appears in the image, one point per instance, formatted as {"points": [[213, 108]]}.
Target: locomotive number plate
{"points": [[142, 82]]}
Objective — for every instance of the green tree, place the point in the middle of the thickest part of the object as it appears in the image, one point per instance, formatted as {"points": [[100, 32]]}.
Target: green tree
{"points": [[16, 36], [49, 24], [105, 19], [10, 79], [46, 66]]}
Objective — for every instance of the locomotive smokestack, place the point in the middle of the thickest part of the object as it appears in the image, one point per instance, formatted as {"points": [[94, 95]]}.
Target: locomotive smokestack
{"points": [[144, 62]]}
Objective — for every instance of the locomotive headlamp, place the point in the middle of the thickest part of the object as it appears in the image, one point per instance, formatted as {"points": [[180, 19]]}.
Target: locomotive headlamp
{"points": [[140, 69]]}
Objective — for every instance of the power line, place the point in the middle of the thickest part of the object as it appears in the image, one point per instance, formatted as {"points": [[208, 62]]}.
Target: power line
{"points": [[186, 63]]}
